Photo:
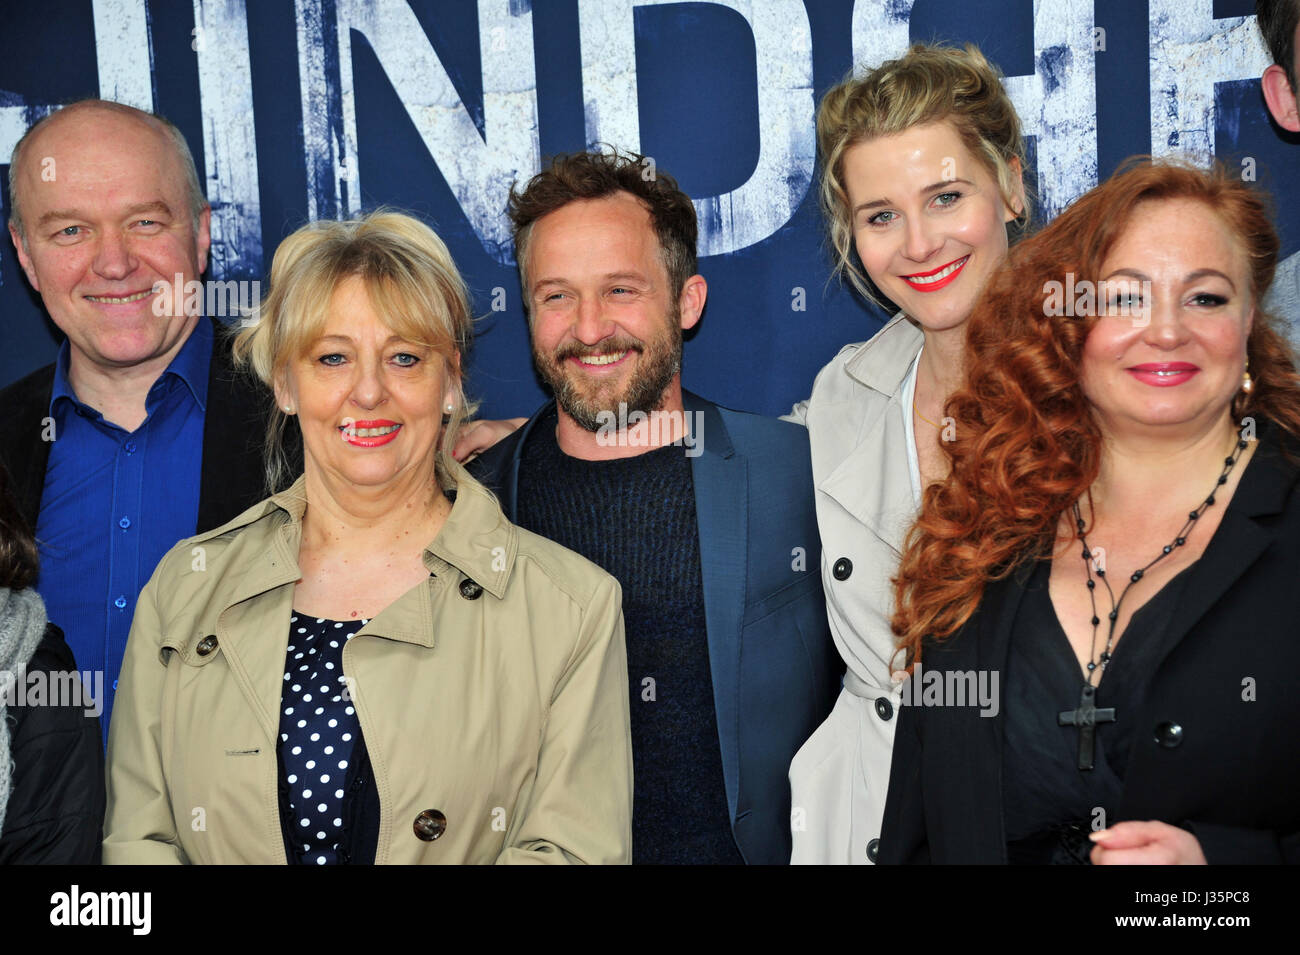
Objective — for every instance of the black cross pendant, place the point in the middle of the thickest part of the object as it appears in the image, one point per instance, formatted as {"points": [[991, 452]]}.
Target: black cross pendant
{"points": [[1086, 717]]}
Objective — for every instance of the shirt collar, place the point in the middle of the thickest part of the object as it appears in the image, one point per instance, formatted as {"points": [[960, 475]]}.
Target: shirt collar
{"points": [[193, 361], [62, 387], [190, 365]]}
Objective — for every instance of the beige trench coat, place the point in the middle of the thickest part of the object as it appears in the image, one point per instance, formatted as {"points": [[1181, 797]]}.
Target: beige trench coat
{"points": [[507, 711], [857, 426]]}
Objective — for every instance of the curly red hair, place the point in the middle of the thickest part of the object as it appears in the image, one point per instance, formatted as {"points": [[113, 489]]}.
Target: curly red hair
{"points": [[1026, 443]]}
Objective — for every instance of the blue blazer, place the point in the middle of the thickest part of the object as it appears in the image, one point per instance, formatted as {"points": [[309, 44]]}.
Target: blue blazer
{"points": [[775, 670]]}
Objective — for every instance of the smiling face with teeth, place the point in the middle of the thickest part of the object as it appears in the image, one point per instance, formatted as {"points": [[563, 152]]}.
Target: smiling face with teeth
{"points": [[369, 403], [929, 221], [113, 222], [606, 328]]}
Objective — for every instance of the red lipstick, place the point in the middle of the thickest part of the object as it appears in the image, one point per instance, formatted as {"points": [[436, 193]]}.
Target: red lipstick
{"points": [[1164, 374], [351, 436], [931, 284]]}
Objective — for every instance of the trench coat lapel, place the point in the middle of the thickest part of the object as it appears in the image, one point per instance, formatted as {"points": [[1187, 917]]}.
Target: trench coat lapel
{"points": [[873, 482], [254, 633], [721, 480]]}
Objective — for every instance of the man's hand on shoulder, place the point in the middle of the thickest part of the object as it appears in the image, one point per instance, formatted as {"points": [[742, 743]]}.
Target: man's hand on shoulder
{"points": [[477, 436]]}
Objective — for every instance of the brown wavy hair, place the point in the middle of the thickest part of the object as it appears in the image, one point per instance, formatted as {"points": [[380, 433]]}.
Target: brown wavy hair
{"points": [[596, 175], [1027, 445]]}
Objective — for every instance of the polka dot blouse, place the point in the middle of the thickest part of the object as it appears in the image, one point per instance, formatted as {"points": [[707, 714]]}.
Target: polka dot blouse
{"points": [[318, 728]]}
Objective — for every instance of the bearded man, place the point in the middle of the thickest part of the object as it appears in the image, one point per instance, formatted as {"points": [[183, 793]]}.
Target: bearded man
{"points": [[705, 515]]}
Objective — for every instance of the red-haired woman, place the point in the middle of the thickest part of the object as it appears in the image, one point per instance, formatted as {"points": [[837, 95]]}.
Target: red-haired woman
{"points": [[1115, 552]]}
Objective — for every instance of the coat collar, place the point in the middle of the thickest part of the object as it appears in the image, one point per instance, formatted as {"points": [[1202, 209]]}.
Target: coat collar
{"points": [[1243, 534], [881, 363], [873, 482], [476, 540], [475, 543]]}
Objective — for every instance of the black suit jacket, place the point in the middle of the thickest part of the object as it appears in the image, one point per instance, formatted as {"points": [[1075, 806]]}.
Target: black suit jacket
{"points": [[1231, 681], [234, 430]]}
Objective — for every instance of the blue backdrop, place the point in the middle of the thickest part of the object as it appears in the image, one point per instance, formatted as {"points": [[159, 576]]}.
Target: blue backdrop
{"points": [[297, 109]]}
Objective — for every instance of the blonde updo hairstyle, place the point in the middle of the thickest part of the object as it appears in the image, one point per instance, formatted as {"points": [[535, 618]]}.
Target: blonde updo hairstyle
{"points": [[412, 283], [928, 84]]}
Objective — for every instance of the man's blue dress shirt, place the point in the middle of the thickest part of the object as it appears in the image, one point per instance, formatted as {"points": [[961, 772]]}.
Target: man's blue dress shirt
{"points": [[115, 502]]}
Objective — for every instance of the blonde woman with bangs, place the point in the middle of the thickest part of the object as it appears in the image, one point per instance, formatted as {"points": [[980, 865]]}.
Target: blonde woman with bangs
{"points": [[373, 664], [922, 164]]}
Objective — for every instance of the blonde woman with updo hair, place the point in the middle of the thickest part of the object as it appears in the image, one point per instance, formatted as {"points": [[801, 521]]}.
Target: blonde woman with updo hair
{"points": [[372, 665], [922, 165]]}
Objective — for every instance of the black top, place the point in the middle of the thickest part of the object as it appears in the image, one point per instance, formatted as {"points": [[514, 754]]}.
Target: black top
{"points": [[635, 517], [1049, 804], [55, 813]]}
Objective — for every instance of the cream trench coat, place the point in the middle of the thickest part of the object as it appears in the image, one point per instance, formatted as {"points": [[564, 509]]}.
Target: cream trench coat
{"points": [[506, 710], [857, 427]]}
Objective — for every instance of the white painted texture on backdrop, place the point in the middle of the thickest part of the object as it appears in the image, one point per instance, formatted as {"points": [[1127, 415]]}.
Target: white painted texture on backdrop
{"points": [[782, 36]]}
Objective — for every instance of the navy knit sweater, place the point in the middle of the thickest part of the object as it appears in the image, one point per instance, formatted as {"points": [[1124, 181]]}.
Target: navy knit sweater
{"points": [[635, 517]]}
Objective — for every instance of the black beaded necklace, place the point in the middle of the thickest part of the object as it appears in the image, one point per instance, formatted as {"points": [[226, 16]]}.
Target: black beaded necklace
{"points": [[1086, 716]]}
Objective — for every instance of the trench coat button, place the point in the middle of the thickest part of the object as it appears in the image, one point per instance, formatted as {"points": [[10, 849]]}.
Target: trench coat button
{"points": [[873, 849], [470, 589], [843, 567], [884, 709], [1169, 734], [206, 645], [430, 824]]}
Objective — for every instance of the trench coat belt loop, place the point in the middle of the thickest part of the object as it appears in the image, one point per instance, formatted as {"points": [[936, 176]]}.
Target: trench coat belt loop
{"points": [[867, 691]]}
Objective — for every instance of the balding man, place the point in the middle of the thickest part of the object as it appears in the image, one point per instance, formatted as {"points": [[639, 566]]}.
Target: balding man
{"points": [[140, 433]]}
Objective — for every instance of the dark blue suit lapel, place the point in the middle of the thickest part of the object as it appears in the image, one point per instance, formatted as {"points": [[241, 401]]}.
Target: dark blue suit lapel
{"points": [[497, 468], [721, 480]]}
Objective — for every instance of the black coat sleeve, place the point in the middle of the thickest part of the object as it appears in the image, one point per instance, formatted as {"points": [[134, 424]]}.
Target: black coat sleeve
{"points": [[55, 813]]}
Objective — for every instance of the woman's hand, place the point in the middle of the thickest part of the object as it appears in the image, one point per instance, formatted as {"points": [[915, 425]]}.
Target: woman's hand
{"points": [[1145, 843], [478, 436]]}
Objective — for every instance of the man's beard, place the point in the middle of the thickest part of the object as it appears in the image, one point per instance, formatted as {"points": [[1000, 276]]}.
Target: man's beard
{"points": [[584, 401]]}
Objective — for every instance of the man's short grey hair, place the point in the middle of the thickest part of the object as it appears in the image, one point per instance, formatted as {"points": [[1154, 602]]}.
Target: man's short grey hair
{"points": [[193, 191]]}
